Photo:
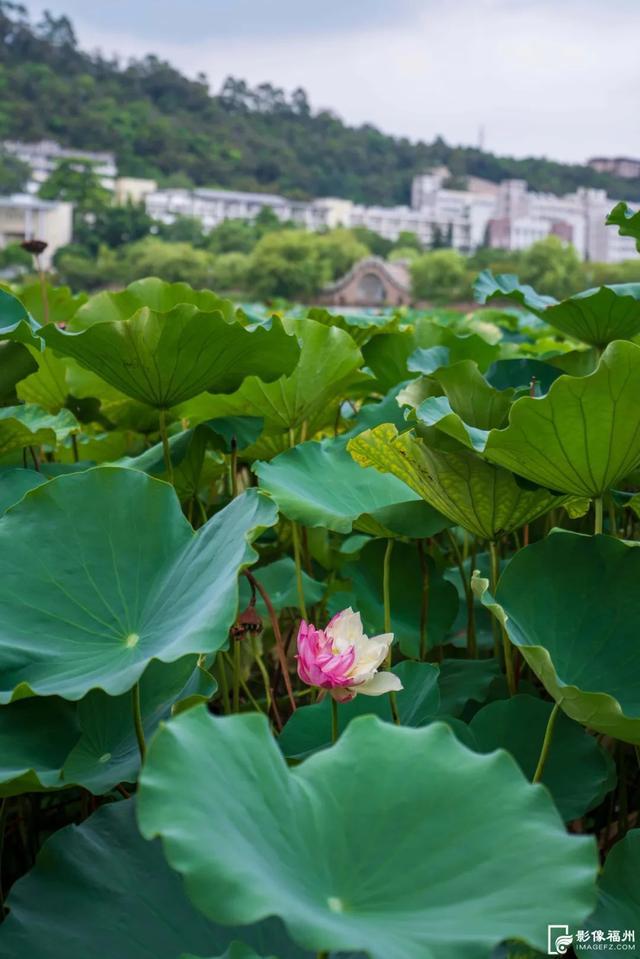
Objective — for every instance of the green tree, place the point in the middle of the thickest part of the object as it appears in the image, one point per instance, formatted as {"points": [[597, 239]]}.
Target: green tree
{"points": [[287, 264], [376, 244], [232, 236], [406, 239], [230, 272], [170, 261], [184, 229], [113, 226], [408, 253], [440, 277], [340, 249], [13, 174], [552, 267], [76, 181]]}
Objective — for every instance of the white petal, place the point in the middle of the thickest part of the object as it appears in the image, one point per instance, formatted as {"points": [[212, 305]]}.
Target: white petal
{"points": [[380, 684]]}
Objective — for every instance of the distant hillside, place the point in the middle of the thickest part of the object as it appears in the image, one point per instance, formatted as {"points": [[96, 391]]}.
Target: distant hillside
{"points": [[161, 124]]}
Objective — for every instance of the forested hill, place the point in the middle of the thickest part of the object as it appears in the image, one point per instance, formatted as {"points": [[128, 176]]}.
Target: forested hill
{"points": [[163, 125]]}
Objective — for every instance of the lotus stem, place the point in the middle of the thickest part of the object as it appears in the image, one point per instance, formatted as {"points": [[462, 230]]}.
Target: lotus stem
{"points": [[472, 645], [263, 670], [275, 625], [137, 722], [498, 629], [386, 589], [597, 525], [162, 426], [233, 469], [334, 720], [546, 742], [297, 555], [236, 676], [224, 684], [424, 600]]}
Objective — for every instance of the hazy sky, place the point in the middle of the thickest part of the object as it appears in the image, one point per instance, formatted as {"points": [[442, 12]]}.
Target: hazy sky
{"points": [[542, 77]]}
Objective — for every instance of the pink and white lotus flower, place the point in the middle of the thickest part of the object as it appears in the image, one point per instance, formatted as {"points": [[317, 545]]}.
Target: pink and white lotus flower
{"points": [[343, 660]]}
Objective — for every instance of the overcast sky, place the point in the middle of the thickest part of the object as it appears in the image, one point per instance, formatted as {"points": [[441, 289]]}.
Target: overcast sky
{"points": [[558, 78]]}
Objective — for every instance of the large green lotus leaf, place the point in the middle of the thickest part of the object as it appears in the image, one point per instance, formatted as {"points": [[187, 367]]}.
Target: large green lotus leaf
{"points": [[360, 326], [572, 607], [627, 221], [319, 484], [47, 386], [405, 590], [464, 681], [578, 771], [583, 436], [107, 751], [100, 890], [163, 359], [14, 483], [386, 410], [16, 363], [156, 294], [519, 373], [120, 580], [596, 316], [309, 728], [29, 425], [36, 736], [188, 451], [469, 408], [395, 356], [329, 361], [62, 303], [472, 493], [102, 403], [448, 348], [619, 895], [91, 743], [16, 323], [279, 581], [411, 893]]}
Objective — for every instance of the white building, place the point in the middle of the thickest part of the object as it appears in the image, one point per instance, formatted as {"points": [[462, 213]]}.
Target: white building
{"points": [[42, 158], [506, 215], [25, 217]]}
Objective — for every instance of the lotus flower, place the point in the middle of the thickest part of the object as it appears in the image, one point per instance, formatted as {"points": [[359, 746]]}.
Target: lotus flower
{"points": [[341, 659]]}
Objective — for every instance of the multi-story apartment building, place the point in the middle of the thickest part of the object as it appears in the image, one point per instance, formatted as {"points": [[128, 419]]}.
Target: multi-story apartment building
{"points": [[506, 215], [43, 157], [25, 217], [626, 167]]}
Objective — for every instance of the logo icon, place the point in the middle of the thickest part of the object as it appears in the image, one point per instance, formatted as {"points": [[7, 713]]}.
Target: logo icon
{"points": [[558, 940]]}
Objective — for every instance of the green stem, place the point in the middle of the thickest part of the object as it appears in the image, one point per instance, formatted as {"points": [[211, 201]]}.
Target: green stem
{"points": [[597, 525], [162, 426], [424, 600], [263, 670], [297, 555], [495, 576], [334, 720], [500, 632], [472, 644], [224, 684], [236, 676], [137, 722], [249, 695], [546, 743], [386, 590], [233, 467]]}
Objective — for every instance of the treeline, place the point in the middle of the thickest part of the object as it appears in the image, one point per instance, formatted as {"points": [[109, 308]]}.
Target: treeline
{"points": [[162, 125]]}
